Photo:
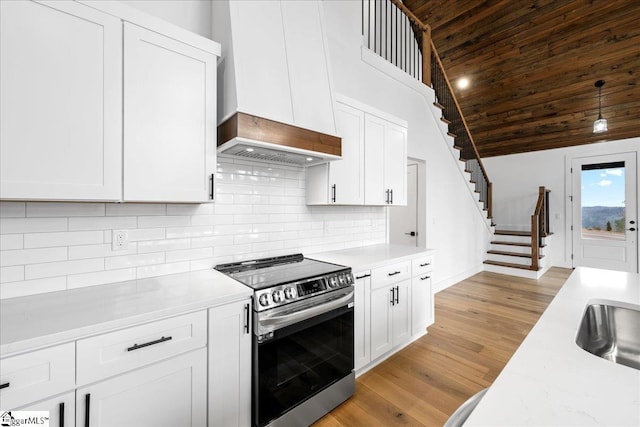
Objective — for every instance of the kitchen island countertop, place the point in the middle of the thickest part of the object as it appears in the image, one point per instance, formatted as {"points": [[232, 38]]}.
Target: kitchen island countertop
{"points": [[35, 321], [550, 381]]}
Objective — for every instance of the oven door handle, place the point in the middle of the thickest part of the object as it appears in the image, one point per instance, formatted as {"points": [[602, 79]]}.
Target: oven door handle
{"points": [[275, 322]]}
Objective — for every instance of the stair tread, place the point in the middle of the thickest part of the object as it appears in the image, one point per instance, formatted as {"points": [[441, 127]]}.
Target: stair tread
{"points": [[452, 135], [509, 253], [500, 242], [445, 120], [511, 265], [513, 233], [440, 106]]}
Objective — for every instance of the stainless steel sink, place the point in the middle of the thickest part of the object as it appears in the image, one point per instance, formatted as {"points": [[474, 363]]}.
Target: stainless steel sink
{"points": [[611, 332]]}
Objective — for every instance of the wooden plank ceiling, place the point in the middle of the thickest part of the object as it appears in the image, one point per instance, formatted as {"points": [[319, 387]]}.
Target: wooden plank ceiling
{"points": [[533, 65]]}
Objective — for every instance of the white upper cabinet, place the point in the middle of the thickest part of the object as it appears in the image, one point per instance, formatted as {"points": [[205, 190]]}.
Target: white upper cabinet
{"points": [[373, 168], [61, 102], [275, 62], [169, 118], [341, 181]]}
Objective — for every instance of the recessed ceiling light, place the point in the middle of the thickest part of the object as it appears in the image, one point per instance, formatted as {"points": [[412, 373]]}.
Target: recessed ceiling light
{"points": [[249, 150], [463, 83], [309, 159]]}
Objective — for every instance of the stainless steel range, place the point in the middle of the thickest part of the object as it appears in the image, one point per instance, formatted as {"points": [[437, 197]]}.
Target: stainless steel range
{"points": [[302, 339]]}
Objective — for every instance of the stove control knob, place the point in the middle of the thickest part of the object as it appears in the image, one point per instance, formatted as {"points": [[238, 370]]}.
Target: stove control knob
{"points": [[264, 300], [333, 281], [342, 279], [278, 296], [289, 293], [349, 279]]}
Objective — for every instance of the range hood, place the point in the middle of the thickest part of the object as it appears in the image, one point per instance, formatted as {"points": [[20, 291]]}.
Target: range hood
{"points": [[257, 138]]}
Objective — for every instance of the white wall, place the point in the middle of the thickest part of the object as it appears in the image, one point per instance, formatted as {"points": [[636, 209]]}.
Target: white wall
{"points": [[193, 15], [260, 211], [454, 226], [516, 179]]}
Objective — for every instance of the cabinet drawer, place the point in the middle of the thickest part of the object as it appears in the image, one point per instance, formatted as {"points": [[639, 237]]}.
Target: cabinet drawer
{"points": [[392, 273], [421, 265], [116, 352], [33, 376]]}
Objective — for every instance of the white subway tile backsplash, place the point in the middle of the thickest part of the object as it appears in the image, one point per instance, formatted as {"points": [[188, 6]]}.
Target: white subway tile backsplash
{"points": [[99, 251], [31, 256], [11, 274], [32, 225], [260, 211], [102, 223], [13, 209], [100, 278], [70, 238], [189, 254], [163, 245], [11, 241], [126, 261], [48, 209], [135, 209], [32, 287], [62, 268], [162, 269]]}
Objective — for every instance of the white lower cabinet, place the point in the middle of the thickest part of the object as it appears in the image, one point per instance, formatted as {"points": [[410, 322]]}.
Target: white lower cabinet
{"points": [[362, 323], [61, 409], [391, 317], [421, 296], [230, 364], [169, 393]]}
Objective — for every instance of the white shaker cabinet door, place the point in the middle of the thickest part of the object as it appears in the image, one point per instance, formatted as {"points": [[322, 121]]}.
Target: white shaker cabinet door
{"points": [[169, 119], [381, 321], [230, 364], [346, 182], [402, 313], [374, 161], [170, 393], [61, 102], [61, 409], [395, 157], [362, 319]]}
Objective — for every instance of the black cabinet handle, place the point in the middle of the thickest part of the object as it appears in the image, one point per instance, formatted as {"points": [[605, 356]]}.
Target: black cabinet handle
{"points": [[425, 277], [393, 296], [363, 276], [147, 344], [393, 274], [391, 196], [333, 193], [61, 409], [397, 294], [5, 385], [246, 318], [425, 264], [211, 191], [87, 406]]}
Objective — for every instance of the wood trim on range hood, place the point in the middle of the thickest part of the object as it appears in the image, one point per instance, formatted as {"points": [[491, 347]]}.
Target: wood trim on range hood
{"points": [[248, 130]]}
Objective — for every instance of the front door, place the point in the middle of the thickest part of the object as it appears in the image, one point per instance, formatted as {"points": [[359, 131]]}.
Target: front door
{"points": [[605, 228]]}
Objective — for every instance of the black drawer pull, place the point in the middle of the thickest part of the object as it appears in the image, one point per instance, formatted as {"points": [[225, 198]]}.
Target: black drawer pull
{"points": [[87, 408], [61, 408], [425, 278], [393, 274], [147, 344], [425, 264], [363, 276], [5, 385]]}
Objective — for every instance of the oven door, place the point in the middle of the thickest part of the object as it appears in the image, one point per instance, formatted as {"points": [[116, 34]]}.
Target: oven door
{"points": [[300, 352]]}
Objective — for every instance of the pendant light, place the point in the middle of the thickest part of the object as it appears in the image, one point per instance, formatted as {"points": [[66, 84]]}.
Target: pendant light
{"points": [[600, 125]]}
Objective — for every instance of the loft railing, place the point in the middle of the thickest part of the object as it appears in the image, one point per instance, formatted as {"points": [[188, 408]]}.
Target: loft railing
{"points": [[459, 129], [539, 225], [396, 34]]}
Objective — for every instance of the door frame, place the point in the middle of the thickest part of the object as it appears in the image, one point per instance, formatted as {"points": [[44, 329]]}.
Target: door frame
{"points": [[569, 158], [421, 204]]}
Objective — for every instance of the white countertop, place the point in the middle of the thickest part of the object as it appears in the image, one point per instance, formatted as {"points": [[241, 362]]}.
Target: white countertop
{"points": [[367, 257], [550, 381], [35, 321]]}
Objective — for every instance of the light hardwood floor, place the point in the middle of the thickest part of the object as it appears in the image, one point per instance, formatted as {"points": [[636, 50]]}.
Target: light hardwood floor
{"points": [[480, 322]]}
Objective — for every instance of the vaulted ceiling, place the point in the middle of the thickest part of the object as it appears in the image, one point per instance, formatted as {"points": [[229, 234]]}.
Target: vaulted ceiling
{"points": [[533, 65]]}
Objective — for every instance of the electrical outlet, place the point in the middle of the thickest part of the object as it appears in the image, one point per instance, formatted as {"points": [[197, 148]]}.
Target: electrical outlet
{"points": [[119, 240]]}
